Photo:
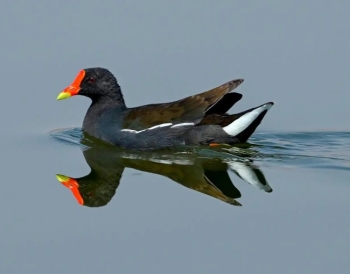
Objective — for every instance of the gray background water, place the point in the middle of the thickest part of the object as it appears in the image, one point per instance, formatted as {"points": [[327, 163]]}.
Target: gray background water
{"points": [[294, 53]]}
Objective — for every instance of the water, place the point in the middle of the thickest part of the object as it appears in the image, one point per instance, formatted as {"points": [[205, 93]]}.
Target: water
{"points": [[276, 205], [203, 169]]}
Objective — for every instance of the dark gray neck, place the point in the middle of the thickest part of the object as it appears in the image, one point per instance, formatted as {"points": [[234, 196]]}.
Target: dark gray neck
{"points": [[109, 92], [103, 106]]}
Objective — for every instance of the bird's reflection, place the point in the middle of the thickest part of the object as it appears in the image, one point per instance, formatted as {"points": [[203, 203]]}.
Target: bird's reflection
{"points": [[208, 175]]}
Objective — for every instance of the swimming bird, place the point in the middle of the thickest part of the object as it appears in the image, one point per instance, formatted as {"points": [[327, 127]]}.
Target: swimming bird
{"points": [[199, 119]]}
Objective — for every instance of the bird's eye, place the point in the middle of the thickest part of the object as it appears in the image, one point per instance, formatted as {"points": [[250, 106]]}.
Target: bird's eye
{"points": [[91, 80]]}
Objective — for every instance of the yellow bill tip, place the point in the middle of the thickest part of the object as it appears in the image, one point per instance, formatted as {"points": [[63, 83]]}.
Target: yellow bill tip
{"points": [[62, 178], [63, 95]]}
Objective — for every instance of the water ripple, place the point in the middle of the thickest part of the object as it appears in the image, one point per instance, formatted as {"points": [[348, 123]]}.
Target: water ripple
{"points": [[319, 149]]}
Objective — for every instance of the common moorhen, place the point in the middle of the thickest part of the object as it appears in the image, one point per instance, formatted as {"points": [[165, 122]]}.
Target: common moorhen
{"points": [[199, 119]]}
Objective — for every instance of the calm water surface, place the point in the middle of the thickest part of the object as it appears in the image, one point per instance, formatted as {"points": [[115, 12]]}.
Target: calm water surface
{"points": [[277, 205]]}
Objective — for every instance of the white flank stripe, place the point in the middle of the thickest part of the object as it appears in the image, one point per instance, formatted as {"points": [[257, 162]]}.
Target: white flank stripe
{"points": [[244, 121], [157, 126], [129, 130], [183, 125], [161, 125]]}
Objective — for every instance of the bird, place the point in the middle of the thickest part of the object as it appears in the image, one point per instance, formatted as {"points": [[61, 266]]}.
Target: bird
{"points": [[197, 120]]}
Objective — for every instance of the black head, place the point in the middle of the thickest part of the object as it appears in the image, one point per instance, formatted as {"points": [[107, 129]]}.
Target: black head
{"points": [[95, 83]]}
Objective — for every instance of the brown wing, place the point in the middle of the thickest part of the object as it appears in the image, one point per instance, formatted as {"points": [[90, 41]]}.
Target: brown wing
{"points": [[222, 120], [188, 110]]}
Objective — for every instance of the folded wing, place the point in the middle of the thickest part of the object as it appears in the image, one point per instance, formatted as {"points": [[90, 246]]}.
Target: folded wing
{"points": [[188, 110]]}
